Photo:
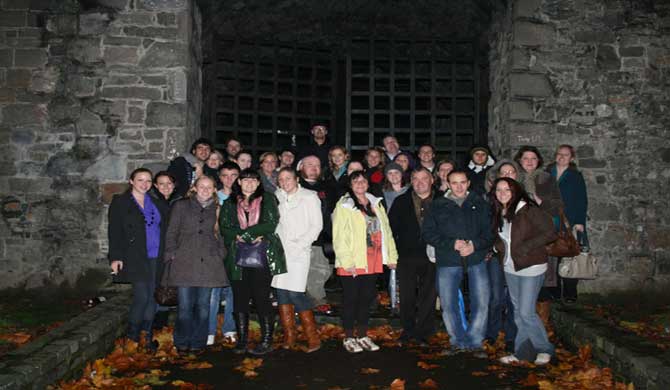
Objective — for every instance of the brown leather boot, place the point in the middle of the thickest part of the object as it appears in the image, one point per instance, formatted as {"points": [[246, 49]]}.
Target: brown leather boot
{"points": [[309, 325], [287, 318]]}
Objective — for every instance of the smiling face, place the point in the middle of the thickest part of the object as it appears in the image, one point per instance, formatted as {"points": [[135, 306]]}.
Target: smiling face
{"points": [[202, 152], [564, 157], [422, 182], [164, 185], [479, 157], [391, 145], [503, 193], [287, 158], [373, 158], [228, 177], [426, 154], [529, 161], [459, 183], [288, 182], [269, 164], [233, 147], [244, 161], [248, 185], [204, 188], [141, 182], [403, 161], [337, 157], [311, 167], [394, 177], [215, 160], [359, 185]]}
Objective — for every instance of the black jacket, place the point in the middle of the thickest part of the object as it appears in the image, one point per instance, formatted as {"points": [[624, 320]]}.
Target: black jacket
{"points": [[128, 241], [327, 193], [314, 149], [183, 172], [406, 228]]}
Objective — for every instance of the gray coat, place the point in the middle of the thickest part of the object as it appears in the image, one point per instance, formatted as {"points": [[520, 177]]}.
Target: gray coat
{"points": [[194, 252]]}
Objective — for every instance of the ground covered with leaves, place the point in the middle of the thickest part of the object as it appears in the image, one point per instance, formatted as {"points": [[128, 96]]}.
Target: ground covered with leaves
{"points": [[395, 367]]}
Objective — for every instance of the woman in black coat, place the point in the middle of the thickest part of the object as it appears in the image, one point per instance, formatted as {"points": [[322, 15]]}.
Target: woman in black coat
{"points": [[136, 229]]}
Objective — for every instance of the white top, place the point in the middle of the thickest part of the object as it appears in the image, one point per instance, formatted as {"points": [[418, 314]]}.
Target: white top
{"points": [[506, 236]]}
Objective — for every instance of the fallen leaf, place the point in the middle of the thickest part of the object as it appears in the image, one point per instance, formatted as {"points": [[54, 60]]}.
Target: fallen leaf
{"points": [[479, 373], [428, 384], [398, 384], [370, 370], [427, 366], [197, 366]]}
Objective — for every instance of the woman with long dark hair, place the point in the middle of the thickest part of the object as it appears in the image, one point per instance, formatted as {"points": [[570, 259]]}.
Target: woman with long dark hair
{"points": [[523, 230], [250, 216], [363, 244], [136, 230]]}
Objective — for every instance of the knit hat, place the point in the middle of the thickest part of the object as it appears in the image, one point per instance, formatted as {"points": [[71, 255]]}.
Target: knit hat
{"points": [[392, 167], [480, 149]]}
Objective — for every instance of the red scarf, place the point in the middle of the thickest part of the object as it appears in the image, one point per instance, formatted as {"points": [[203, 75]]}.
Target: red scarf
{"points": [[253, 210]]}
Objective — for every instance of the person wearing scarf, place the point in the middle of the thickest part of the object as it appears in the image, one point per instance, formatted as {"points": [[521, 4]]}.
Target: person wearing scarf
{"points": [[480, 162]]}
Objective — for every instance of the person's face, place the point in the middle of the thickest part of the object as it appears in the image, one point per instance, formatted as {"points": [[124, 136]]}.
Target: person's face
{"points": [[248, 185], [508, 170], [563, 157], [319, 132], [311, 168], [338, 157], [529, 161], [422, 183], [214, 161], [394, 177], [287, 182], [354, 166], [403, 161], [479, 157], [459, 183], [373, 158], [202, 152], [444, 171], [287, 159], [503, 193], [269, 164], [141, 183], [205, 188], [359, 185], [391, 145], [233, 147], [228, 177], [165, 186], [426, 154], [244, 161]]}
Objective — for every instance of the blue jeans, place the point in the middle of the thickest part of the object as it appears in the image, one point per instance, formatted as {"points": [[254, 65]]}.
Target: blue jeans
{"points": [[215, 303], [523, 291], [143, 305], [501, 312], [298, 299], [192, 315], [448, 283]]}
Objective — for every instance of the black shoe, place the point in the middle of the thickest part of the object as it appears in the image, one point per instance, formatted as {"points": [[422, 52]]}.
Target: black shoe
{"points": [[160, 320], [267, 328], [405, 338], [242, 327]]}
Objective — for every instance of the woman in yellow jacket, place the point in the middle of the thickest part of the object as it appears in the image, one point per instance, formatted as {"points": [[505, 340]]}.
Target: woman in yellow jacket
{"points": [[363, 244]]}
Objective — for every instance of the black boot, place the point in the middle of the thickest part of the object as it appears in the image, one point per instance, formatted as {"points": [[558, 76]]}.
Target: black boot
{"points": [[150, 345], [267, 328], [134, 332], [242, 327], [160, 320]]}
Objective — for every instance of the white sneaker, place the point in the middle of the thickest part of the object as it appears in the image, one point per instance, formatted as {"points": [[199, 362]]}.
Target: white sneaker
{"points": [[367, 344], [230, 337], [210, 339], [542, 359], [509, 359], [351, 345]]}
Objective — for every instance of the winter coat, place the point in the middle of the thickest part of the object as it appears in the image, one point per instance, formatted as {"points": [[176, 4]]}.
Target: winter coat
{"points": [[573, 192], [327, 193], [350, 234], [446, 222], [300, 223], [193, 251], [128, 240], [229, 226], [532, 229], [314, 149], [547, 189], [406, 228], [182, 170]]}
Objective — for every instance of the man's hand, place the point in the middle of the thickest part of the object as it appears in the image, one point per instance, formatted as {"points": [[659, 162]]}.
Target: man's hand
{"points": [[467, 249], [459, 244], [117, 265]]}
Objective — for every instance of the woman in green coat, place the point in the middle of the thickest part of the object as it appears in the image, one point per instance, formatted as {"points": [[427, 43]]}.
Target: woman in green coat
{"points": [[250, 216]]}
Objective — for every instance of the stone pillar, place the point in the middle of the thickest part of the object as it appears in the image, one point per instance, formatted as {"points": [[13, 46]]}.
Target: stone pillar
{"points": [[595, 75], [88, 92]]}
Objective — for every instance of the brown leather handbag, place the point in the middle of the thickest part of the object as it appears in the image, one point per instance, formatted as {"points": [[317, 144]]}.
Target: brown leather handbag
{"points": [[566, 245], [166, 295]]}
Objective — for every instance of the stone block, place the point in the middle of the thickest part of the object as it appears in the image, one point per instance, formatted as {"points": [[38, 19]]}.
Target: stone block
{"points": [[7, 95], [151, 32], [12, 18], [6, 58], [86, 50], [117, 55], [122, 41], [121, 79], [132, 93], [584, 151], [526, 8], [156, 5], [155, 80], [111, 168], [135, 115], [134, 18], [152, 134], [90, 124], [594, 36], [15, 4], [533, 34], [607, 58], [165, 114], [45, 81], [18, 78], [130, 134], [592, 163], [93, 23], [166, 19], [520, 110], [24, 114], [633, 63], [530, 85], [23, 135], [30, 58], [156, 147], [165, 55], [631, 51], [109, 108], [62, 24], [81, 86]]}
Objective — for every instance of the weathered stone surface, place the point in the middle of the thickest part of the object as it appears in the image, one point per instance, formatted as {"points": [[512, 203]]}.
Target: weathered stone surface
{"points": [[151, 32], [116, 4], [19, 78], [90, 124], [108, 190], [23, 114], [165, 114], [607, 58], [110, 168], [45, 80], [120, 55], [533, 34], [62, 24], [132, 93], [6, 58], [526, 8], [81, 86], [530, 85], [122, 79], [631, 51], [135, 115], [162, 4], [93, 23], [122, 41], [12, 18], [30, 58], [166, 19], [86, 50], [165, 55], [521, 110], [7, 95]]}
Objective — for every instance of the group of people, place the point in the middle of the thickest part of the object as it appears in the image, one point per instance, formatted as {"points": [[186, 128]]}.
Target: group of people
{"points": [[217, 227]]}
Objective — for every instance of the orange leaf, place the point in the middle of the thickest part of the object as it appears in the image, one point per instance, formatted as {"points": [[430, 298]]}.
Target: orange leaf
{"points": [[197, 366], [479, 373], [428, 384], [427, 366], [16, 338], [531, 380], [398, 384], [585, 353], [370, 370]]}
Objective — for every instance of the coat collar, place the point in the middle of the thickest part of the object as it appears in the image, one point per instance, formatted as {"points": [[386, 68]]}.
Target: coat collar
{"points": [[348, 202]]}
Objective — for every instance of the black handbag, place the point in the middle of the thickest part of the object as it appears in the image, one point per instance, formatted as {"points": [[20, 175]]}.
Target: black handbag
{"points": [[163, 294], [252, 255]]}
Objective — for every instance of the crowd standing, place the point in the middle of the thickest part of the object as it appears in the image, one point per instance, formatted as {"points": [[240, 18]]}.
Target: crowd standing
{"points": [[222, 229]]}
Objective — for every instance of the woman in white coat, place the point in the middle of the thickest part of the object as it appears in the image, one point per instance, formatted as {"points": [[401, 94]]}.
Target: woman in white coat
{"points": [[300, 223]]}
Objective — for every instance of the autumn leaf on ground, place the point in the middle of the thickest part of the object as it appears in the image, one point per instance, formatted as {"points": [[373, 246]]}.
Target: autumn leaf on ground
{"points": [[398, 384], [339, 388], [370, 370], [479, 373], [530, 380], [427, 366], [16, 338], [585, 353], [428, 384], [197, 366]]}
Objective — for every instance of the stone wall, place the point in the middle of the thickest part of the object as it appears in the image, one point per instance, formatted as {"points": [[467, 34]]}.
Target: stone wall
{"points": [[594, 74], [89, 90]]}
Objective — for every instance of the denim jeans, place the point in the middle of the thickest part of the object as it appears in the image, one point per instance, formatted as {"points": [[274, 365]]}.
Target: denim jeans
{"points": [[143, 305], [501, 312], [523, 291], [298, 299], [192, 315], [215, 303], [448, 283]]}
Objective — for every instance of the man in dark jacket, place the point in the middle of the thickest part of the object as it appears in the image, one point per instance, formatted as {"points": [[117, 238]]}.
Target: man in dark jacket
{"points": [[183, 167], [480, 162], [416, 272], [320, 268], [458, 225], [318, 145]]}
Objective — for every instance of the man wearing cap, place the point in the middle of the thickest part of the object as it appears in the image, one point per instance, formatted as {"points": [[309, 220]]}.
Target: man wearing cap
{"points": [[480, 162], [318, 145]]}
